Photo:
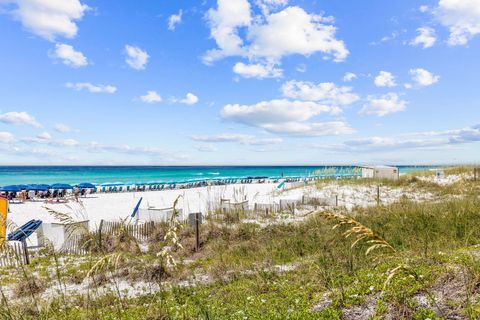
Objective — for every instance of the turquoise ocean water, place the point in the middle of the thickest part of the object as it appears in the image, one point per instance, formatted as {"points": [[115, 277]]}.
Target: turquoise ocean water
{"points": [[163, 174]]}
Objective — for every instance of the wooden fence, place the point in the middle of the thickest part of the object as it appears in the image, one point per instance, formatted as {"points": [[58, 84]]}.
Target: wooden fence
{"points": [[288, 205], [234, 206], [139, 231], [284, 205], [267, 208], [12, 254], [74, 245]]}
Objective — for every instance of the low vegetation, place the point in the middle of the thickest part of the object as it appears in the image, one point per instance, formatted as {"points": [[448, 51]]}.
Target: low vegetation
{"points": [[406, 260]]}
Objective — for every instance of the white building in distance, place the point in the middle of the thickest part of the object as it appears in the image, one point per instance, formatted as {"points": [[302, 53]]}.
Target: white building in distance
{"points": [[380, 172]]}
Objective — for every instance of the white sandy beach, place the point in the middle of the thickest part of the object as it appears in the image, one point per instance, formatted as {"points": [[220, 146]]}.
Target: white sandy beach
{"points": [[115, 206]]}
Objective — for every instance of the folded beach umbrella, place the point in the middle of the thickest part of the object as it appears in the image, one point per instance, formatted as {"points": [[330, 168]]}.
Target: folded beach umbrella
{"points": [[60, 186], [24, 231], [86, 185], [135, 210], [12, 188]]}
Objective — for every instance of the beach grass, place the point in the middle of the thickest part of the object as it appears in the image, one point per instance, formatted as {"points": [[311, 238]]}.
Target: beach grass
{"points": [[429, 267]]}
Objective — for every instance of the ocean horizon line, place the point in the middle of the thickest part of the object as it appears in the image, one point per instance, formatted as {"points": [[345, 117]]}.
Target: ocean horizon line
{"points": [[237, 165], [11, 175]]}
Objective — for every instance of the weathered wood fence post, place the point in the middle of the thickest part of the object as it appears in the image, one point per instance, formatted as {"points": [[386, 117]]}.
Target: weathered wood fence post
{"points": [[194, 220], [197, 231], [100, 234], [25, 252], [378, 195]]}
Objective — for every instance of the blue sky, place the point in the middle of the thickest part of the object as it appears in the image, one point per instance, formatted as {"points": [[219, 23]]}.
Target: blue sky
{"points": [[239, 82]]}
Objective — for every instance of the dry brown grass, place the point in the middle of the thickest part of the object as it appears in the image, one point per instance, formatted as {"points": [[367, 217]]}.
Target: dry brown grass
{"points": [[31, 286], [360, 232]]}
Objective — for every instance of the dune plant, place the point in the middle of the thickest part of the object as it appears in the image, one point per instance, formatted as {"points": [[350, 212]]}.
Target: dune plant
{"points": [[361, 232], [5, 309], [374, 243], [171, 238]]}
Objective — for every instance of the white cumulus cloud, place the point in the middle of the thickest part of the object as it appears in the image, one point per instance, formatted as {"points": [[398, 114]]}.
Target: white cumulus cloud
{"points": [[136, 58], [275, 111], [315, 129], [349, 76], [48, 18], [285, 116], [174, 19], [15, 117], [257, 70], [151, 97], [426, 37], [423, 78], [268, 5], [325, 92], [189, 99], [461, 17], [224, 23], [302, 33], [237, 33], [91, 87], [69, 56], [383, 105], [385, 79]]}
